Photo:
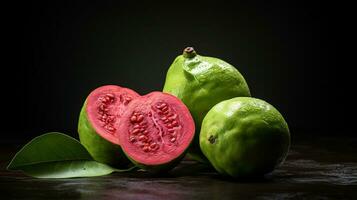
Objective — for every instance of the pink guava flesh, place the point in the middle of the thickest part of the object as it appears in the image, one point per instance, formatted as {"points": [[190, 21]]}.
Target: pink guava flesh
{"points": [[156, 129], [105, 107]]}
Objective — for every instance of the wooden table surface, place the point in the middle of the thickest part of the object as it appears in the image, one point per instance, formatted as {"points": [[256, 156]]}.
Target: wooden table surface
{"points": [[316, 168]]}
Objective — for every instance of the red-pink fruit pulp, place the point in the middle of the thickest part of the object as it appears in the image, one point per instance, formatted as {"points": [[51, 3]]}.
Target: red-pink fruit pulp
{"points": [[156, 129], [100, 116]]}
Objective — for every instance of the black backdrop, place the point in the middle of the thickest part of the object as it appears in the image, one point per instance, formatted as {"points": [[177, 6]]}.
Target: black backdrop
{"points": [[57, 52]]}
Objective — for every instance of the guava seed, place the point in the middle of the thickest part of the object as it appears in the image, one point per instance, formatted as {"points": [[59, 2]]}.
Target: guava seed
{"points": [[140, 118], [135, 131], [132, 139], [146, 148], [109, 95], [101, 107], [174, 123], [142, 138], [153, 145], [149, 140], [110, 128], [133, 118]]}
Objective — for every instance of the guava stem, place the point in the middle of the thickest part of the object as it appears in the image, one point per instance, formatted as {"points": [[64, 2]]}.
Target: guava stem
{"points": [[189, 52]]}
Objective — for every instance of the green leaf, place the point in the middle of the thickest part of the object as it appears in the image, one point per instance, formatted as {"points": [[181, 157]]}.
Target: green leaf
{"points": [[68, 169], [56, 155]]}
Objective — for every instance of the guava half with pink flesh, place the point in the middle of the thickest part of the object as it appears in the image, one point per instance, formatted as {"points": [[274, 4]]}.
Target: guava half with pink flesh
{"points": [[156, 130], [98, 121]]}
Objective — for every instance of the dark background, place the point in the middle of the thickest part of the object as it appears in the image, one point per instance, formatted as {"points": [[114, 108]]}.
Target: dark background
{"points": [[57, 52]]}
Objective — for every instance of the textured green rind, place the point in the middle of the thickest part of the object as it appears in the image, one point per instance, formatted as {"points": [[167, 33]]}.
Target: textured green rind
{"points": [[100, 149], [202, 82], [162, 168], [244, 137]]}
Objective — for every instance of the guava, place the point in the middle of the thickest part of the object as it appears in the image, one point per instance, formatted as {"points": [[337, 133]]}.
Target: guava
{"points": [[244, 137], [98, 121], [201, 82], [156, 129]]}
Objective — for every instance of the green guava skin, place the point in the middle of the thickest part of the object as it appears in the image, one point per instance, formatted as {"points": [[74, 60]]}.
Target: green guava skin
{"points": [[157, 169], [99, 148], [244, 137], [202, 82]]}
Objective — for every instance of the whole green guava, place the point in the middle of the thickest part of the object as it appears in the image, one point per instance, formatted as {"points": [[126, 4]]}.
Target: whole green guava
{"points": [[244, 137], [201, 82]]}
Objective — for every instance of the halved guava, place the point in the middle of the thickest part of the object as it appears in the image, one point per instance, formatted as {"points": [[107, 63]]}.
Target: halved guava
{"points": [[156, 129], [99, 117]]}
